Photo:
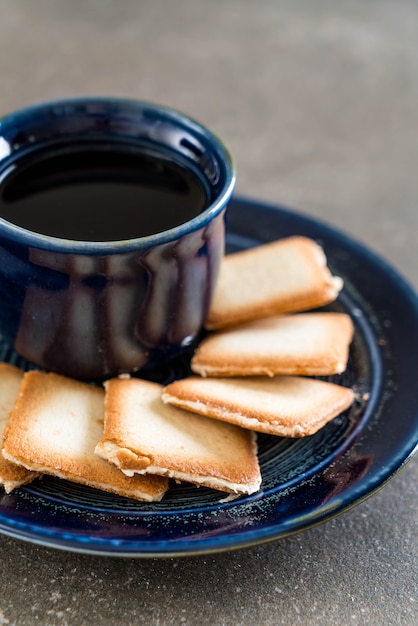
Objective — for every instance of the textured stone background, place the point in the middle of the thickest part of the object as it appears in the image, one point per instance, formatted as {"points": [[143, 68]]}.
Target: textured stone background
{"points": [[318, 102]]}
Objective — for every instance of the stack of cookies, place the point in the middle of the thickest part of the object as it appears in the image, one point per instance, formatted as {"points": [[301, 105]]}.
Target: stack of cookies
{"points": [[253, 372]]}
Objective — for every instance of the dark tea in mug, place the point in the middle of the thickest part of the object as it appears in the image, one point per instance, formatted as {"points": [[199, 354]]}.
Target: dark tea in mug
{"points": [[99, 192], [112, 224]]}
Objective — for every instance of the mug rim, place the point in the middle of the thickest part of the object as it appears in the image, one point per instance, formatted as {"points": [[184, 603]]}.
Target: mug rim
{"points": [[63, 245]]}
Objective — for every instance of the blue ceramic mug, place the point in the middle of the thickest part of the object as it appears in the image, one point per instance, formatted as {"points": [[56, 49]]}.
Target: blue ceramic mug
{"points": [[86, 289]]}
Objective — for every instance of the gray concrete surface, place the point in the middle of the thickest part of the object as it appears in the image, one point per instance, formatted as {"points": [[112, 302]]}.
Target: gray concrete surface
{"points": [[318, 101]]}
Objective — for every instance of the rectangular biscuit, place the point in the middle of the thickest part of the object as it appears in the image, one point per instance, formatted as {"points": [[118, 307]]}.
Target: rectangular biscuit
{"points": [[54, 427], [142, 434], [286, 406], [310, 344], [283, 276], [11, 475]]}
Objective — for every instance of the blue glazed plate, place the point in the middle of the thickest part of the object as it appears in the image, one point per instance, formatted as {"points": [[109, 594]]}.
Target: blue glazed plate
{"points": [[305, 481]]}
